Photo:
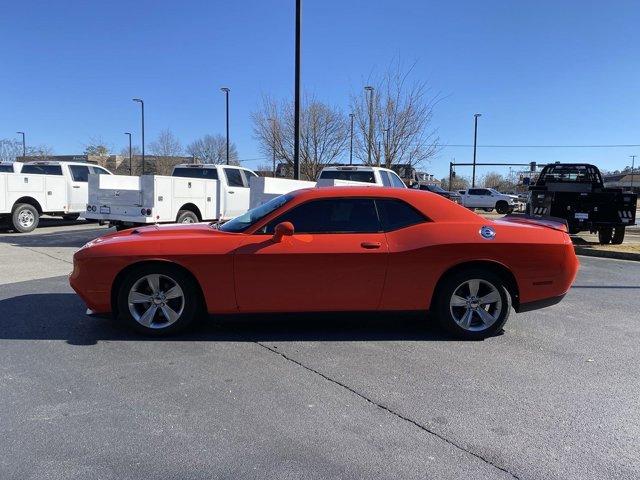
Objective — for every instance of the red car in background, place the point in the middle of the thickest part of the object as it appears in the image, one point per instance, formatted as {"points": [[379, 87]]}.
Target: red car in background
{"points": [[331, 249]]}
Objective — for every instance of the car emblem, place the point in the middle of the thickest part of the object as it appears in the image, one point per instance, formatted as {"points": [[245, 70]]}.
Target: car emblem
{"points": [[487, 233]]}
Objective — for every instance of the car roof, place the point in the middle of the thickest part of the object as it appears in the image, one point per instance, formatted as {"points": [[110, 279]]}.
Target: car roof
{"points": [[367, 168], [434, 206]]}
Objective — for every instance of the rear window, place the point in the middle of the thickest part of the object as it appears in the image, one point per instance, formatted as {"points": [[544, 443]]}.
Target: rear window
{"points": [[395, 214], [365, 176], [6, 168], [206, 173], [569, 174], [42, 169]]}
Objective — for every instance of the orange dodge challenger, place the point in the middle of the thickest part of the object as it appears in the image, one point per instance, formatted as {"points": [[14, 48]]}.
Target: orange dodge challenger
{"points": [[332, 249]]}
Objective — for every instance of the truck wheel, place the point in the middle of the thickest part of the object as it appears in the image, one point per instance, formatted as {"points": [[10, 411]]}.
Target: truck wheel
{"points": [[71, 216], [25, 218], [502, 207], [604, 235], [187, 216], [618, 236], [472, 304]]}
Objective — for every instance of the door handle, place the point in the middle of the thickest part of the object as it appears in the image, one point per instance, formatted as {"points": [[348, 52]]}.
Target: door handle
{"points": [[370, 245], [76, 186], [232, 191]]}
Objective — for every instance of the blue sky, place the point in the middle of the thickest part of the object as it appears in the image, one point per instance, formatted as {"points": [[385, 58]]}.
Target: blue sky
{"points": [[541, 72]]}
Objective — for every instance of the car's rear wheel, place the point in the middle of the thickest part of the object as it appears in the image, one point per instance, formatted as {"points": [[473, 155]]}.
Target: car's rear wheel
{"points": [[473, 304], [187, 216], [618, 236], [158, 300], [604, 235]]}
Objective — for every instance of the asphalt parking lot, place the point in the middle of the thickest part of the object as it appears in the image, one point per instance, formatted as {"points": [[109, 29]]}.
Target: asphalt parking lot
{"points": [[349, 396]]}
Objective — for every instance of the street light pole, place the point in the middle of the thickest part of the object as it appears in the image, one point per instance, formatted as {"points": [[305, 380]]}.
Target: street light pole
{"points": [[138, 100], [475, 140], [351, 141], [130, 157], [369, 143], [24, 146], [296, 101], [226, 92], [633, 162]]}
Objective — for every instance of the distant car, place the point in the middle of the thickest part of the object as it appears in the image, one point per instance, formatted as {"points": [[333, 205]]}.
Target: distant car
{"points": [[488, 199], [437, 189], [331, 249]]}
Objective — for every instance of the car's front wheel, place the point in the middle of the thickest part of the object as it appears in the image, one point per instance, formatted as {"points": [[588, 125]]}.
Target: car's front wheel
{"points": [[473, 304], [158, 300]]}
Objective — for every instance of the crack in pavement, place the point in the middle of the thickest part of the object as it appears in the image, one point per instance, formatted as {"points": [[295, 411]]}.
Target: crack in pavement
{"points": [[46, 254], [389, 410]]}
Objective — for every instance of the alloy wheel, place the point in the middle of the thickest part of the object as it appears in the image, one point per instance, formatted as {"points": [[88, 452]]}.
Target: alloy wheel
{"points": [[475, 305], [156, 301], [26, 218]]}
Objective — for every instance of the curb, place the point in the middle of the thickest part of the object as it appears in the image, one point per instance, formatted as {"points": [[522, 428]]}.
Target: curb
{"points": [[589, 252]]}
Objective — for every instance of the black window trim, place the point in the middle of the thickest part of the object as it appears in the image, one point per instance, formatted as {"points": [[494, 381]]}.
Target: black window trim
{"points": [[425, 219]]}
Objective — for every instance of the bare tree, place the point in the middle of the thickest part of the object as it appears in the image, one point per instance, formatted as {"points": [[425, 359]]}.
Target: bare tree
{"points": [[498, 182], [213, 149], [97, 146], [10, 149], [324, 133], [41, 152], [457, 183], [166, 145], [402, 113]]}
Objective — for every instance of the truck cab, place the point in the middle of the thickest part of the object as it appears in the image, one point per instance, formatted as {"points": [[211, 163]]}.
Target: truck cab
{"points": [[487, 199]]}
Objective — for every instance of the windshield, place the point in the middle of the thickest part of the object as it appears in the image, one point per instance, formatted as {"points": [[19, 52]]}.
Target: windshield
{"points": [[244, 221]]}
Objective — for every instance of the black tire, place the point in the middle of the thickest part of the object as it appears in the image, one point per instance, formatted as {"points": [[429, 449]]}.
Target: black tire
{"points": [[604, 235], [24, 218], [618, 236], [502, 207], [187, 216], [71, 216], [187, 307], [456, 283]]}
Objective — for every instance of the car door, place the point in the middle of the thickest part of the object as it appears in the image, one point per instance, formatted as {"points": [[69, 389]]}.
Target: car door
{"points": [[237, 201], [336, 260], [79, 187], [474, 198]]}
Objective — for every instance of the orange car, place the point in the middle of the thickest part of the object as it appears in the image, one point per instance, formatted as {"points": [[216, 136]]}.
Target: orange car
{"points": [[332, 249]]}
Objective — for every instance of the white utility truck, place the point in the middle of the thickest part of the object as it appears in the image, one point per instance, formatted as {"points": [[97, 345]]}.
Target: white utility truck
{"points": [[488, 199], [193, 193], [51, 188], [264, 189]]}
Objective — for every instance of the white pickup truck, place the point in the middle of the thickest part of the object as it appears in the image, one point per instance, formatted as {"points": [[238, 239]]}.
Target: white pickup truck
{"points": [[264, 189], [488, 199], [51, 188], [192, 193]]}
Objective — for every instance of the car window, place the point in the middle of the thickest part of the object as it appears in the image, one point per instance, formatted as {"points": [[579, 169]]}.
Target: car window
{"points": [[335, 215], [247, 176], [186, 172], [365, 176], [395, 214], [476, 191], [395, 180], [79, 173], [386, 181], [42, 169], [6, 168], [99, 170], [247, 219], [234, 177]]}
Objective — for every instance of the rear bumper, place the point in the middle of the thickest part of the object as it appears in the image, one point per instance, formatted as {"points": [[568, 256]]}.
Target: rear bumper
{"points": [[538, 304]]}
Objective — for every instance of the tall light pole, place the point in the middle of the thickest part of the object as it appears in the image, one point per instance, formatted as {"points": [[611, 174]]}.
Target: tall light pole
{"points": [[633, 163], [138, 100], [24, 145], [351, 141], [296, 100], [226, 93], [130, 157], [369, 89], [475, 141]]}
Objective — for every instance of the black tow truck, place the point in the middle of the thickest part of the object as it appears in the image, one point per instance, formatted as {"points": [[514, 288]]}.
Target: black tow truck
{"points": [[576, 192]]}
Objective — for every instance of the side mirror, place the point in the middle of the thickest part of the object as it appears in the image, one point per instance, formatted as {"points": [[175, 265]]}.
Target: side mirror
{"points": [[284, 229]]}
